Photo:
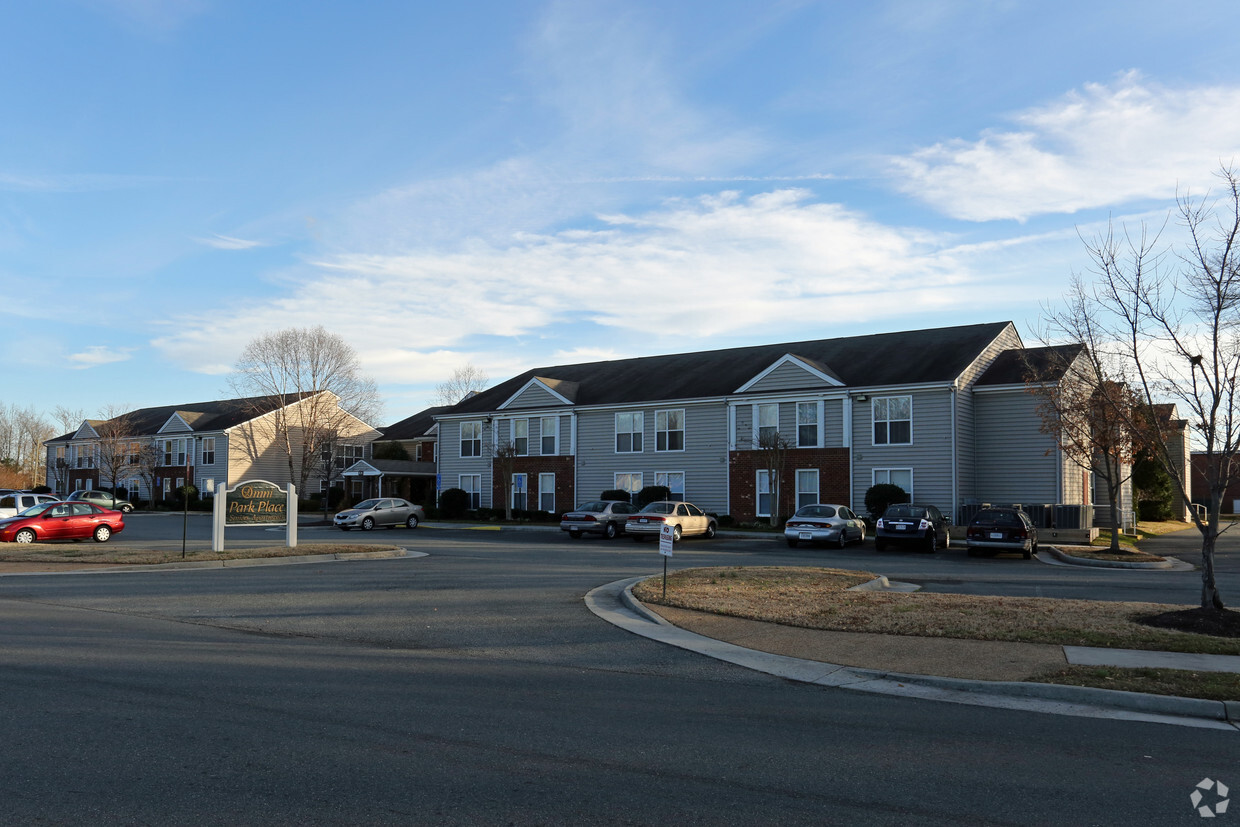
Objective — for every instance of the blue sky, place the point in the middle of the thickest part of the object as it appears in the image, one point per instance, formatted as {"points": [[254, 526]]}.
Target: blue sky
{"points": [[515, 184]]}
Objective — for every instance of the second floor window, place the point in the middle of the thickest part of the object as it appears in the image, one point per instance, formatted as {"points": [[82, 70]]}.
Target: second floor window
{"points": [[471, 439], [521, 437], [174, 452], [893, 420], [767, 417], [629, 432], [549, 427], [208, 450], [807, 424], [669, 430]]}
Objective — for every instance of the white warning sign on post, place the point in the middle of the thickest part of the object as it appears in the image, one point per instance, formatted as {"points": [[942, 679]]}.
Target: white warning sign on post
{"points": [[666, 535]]}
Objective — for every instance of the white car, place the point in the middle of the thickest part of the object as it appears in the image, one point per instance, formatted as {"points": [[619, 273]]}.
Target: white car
{"points": [[14, 502], [686, 518]]}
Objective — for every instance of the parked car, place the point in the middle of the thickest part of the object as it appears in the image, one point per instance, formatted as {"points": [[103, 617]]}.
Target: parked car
{"points": [[102, 498], [14, 502], [911, 523], [385, 511], [824, 523], [62, 521], [686, 518], [993, 530], [606, 517]]}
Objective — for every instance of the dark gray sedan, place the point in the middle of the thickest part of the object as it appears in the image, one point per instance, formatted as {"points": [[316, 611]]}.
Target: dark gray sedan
{"points": [[994, 530], [380, 511], [606, 517]]}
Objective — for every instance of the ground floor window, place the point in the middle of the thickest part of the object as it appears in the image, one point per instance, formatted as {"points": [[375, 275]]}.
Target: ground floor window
{"points": [[167, 486], [673, 481], [471, 484], [208, 487], [762, 491], [902, 477], [519, 488], [546, 492], [807, 486], [631, 482]]}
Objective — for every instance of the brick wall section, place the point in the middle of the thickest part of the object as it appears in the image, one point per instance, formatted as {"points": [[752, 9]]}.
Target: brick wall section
{"points": [[565, 470], [832, 465]]}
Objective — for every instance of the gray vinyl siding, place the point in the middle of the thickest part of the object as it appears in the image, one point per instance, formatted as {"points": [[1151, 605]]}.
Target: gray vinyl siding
{"points": [[929, 455], [1013, 465], [787, 377], [967, 457], [534, 397], [704, 461], [832, 422], [452, 465]]}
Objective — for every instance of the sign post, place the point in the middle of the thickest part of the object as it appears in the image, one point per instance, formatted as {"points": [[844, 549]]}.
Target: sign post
{"points": [[667, 536], [255, 502]]}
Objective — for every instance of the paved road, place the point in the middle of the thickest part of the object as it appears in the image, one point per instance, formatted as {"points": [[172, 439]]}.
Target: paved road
{"points": [[473, 686]]}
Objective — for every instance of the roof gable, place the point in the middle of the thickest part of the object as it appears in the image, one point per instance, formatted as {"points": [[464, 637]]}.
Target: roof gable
{"points": [[540, 392], [175, 424], [791, 371]]}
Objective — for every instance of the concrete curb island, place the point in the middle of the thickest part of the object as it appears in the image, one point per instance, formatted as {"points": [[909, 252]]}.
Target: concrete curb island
{"points": [[246, 562], [615, 603]]}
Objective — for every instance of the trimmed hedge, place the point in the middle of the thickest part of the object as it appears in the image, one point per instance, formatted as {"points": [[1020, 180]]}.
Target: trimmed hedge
{"points": [[882, 495]]}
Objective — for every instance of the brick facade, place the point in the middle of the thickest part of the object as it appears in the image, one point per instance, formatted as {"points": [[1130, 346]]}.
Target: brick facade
{"points": [[832, 465], [564, 469]]}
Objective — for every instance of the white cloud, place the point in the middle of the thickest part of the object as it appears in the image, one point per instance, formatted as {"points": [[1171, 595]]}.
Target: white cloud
{"points": [[1101, 146], [712, 266], [224, 242], [97, 355]]}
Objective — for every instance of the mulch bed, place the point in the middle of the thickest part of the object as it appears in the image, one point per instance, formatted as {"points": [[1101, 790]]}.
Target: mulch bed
{"points": [[1216, 622]]}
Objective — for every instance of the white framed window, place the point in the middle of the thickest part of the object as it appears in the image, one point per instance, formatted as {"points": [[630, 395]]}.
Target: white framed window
{"points": [[902, 477], [167, 486], [471, 439], [549, 433], [471, 484], [766, 422], [669, 430], [762, 494], [520, 490], [208, 487], [629, 426], [674, 481], [807, 486], [208, 450], [521, 437], [808, 421], [628, 481], [893, 420], [174, 452], [546, 492]]}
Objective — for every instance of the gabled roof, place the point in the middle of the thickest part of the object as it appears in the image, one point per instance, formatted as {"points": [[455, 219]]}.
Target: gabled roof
{"points": [[203, 416], [412, 427], [904, 358], [815, 368], [1014, 367]]}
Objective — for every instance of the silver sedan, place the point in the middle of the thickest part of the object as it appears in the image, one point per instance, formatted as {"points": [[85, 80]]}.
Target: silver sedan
{"points": [[385, 511], [824, 523]]}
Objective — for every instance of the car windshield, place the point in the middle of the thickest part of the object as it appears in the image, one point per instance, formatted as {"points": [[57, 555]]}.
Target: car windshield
{"points": [[33, 510], [1010, 518], [365, 504], [597, 505], [816, 511], [904, 512], [659, 508]]}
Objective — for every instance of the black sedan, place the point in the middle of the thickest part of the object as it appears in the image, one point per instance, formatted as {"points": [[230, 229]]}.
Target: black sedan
{"points": [[1001, 529]]}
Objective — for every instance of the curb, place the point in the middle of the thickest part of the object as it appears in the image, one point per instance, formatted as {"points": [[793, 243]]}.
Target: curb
{"points": [[1037, 697], [1063, 557], [247, 562]]}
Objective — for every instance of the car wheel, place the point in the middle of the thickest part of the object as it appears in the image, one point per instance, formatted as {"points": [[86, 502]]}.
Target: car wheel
{"points": [[574, 533], [1028, 552], [610, 531], [947, 539], [676, 532], [26, 535], [880, 544], [368, 524], [102, 534], [843, 541], [710, 530], [861, 540], [792, 543], [412, 522], [125, 509], [932, 542]]}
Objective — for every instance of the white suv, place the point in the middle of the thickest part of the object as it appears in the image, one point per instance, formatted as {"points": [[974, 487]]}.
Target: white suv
{"points": [[13, 503], [103, 499]]}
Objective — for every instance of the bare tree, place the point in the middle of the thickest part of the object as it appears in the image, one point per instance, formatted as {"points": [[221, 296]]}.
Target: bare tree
{"points": [[503, 465], [68, 418], [150, 460], [1173, 313], [466, 380], [773, 456], [118, 444], [305, 387]]}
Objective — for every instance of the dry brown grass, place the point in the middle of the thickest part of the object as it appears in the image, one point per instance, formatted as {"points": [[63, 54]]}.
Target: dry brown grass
{"points": [[1100, 553], [106, 554], [818, 599]]}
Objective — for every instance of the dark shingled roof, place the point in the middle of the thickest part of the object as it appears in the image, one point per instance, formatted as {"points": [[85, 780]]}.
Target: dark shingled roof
{"points": [[908, 357], [412, 427], [200, 416], [1013, 367]]}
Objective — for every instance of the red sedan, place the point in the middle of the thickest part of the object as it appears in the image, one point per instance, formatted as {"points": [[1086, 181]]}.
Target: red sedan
{"points": [[62, 521]]}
